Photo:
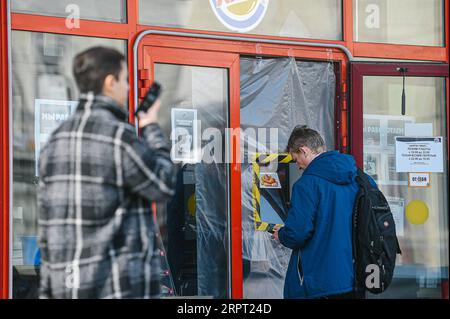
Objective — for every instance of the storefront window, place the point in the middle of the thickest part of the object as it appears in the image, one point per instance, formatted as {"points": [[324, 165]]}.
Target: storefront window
{"points": [[105, 10], [414, 22], [320, 19], [194, 224], [420, 213], [44, 92]]}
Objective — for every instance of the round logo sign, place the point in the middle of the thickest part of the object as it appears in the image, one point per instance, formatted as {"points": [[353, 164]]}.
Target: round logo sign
{"points": [[240, 15]]}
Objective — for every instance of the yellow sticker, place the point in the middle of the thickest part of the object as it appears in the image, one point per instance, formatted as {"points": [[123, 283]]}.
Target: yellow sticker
{"points": [[417, 212], [191, 205]]}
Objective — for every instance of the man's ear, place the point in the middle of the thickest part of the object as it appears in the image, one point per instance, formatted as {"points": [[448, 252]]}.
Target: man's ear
{"points": [[108, 83]]}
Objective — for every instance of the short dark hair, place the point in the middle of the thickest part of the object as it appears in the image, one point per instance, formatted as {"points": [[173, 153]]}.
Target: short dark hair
{"points": [[92, 66], [304, 136]]}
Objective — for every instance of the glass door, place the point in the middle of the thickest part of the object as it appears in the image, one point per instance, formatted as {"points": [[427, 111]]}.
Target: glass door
{"points": [[402, 142], [196, 226]]}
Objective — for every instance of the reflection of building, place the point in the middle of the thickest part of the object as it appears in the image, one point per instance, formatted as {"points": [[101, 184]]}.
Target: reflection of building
{"points": [[379, 146], [234, 84]]}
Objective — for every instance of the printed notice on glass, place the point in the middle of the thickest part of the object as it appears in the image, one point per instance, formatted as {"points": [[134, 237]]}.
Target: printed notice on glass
{"points": [[184, 135], [419, 154], [49, 114], [397, 206]]}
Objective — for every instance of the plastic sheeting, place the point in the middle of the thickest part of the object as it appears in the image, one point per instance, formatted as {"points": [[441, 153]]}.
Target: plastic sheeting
{"points": [[209, 92], [277, 93]]}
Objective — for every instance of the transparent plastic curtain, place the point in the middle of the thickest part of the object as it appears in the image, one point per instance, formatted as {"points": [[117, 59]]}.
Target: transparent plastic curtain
{"points": [[277, 93]]}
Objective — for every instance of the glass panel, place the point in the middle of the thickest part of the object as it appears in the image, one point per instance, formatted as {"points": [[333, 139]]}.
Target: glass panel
{"points": [[44, 92], [415, 22], [276, 95], [423, 266], [320, 19], [105, 10], [194, 225]]}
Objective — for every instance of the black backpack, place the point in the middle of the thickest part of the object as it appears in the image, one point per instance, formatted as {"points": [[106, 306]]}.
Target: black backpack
{"points": [[375, 244]]}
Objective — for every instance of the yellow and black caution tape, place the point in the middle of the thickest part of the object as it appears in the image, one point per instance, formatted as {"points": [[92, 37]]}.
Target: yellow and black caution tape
{"points": [[262, 158]]}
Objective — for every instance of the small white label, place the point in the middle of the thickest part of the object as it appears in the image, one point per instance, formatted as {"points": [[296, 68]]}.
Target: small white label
{"points": [[419, 179]]}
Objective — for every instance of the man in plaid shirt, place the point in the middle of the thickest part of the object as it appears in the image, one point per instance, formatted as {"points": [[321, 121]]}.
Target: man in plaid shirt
{"points": [[97, 179]]}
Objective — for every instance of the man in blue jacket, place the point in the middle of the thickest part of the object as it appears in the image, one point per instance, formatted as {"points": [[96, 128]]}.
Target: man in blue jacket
{"points": [[318, 228]]}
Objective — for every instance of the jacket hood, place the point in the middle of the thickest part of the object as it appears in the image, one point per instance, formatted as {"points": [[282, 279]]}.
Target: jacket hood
{"points": [[333, 166]]}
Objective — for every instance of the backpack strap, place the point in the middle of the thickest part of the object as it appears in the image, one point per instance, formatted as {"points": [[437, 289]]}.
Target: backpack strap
{"points": [[361, 190], [364, 186], [363, 176]]}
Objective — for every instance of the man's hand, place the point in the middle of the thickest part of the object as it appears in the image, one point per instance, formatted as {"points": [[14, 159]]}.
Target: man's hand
{"points": [[151, 116], [276, 228]]}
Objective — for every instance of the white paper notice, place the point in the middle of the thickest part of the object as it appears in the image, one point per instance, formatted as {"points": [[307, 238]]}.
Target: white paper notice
{"points": [[49, 114], [184, 135], [419, 154], [397, 206]]}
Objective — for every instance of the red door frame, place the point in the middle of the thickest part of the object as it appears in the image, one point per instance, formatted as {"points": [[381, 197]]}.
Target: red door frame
{"points": [[229, 61], [128, 30], [360, 69], [4, 153], [206, 52]]}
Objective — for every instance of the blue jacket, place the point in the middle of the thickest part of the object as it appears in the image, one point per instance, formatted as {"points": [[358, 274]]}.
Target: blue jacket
{"points": [[319, 228]]}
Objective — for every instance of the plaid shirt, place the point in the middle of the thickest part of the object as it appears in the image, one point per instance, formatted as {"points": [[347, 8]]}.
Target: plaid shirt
{"points": [[96, 230]]}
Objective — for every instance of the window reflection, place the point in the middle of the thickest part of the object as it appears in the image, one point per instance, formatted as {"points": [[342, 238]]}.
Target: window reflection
{"points": [[319, 19], [414, 22], [105, 10], [194, 224], [423, 266], [41, 81]]}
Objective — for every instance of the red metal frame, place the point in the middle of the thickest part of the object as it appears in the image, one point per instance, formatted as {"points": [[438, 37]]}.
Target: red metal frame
{"points": [[358, 71], [132, 18], [447, 29], [397, 51], [4, 155], [102, 29], [347, 23], [230, 61], [205, 52], [129, 30]]}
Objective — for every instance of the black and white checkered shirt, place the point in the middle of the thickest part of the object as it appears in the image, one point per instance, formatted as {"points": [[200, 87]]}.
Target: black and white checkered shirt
{"points": [[96, 230]]}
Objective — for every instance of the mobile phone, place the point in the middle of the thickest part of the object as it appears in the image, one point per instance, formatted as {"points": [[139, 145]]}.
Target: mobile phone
{"points": [[150, 98]]}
